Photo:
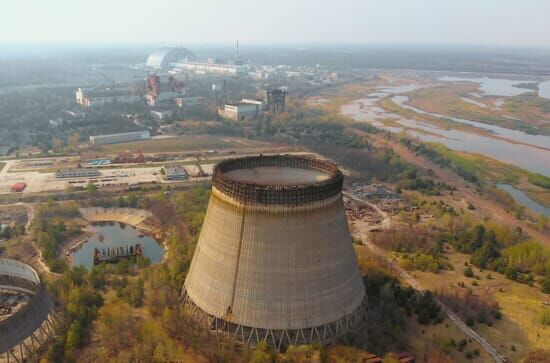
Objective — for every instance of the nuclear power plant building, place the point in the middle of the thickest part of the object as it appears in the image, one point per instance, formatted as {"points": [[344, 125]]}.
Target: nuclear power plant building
{"points": [[275, 259]]}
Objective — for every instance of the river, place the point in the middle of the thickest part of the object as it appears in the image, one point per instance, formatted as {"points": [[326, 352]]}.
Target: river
{"points": [[544, 89], [515, 135], [529, 152], [494, 86], [523, 199]]}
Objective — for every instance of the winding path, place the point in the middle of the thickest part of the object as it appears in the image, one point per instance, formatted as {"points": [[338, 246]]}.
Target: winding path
{"points": [[37, 260]]}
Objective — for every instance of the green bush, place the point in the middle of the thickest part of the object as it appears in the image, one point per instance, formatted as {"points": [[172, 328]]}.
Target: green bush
{"points": [[545, 285], [468, 272], [511, 273], [545, 317], [462, 344]]}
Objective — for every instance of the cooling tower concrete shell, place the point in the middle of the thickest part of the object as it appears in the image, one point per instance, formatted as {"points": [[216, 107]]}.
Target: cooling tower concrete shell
{"points": [[33, 324], [275, 259]]}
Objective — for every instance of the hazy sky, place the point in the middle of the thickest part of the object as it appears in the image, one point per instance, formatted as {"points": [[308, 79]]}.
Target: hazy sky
{"points": [[496, 22]]}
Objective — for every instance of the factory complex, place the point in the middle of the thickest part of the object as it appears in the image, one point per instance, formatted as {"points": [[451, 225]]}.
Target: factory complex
{"points": [[120, 170], [167, 68]]}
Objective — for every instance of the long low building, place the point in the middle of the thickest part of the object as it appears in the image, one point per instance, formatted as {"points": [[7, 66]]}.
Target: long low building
{"points": [[101, 97], [174, 172], [212, 68], [77, 173], [122, 137]]}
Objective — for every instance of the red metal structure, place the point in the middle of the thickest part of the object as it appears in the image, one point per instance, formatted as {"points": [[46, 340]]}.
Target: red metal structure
{"points": [[128, 157], [152, 86], [18, 187]]}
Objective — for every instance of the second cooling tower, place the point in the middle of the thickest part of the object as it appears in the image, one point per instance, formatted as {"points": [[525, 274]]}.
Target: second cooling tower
{"points": [[275, 259]]}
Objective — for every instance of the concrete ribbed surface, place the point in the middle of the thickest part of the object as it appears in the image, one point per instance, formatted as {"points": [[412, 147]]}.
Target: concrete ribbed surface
{"points": [[292, 269]]}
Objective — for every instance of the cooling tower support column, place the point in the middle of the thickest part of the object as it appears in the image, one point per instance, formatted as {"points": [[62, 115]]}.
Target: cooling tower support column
{"points": [[278, 338], [275, 260]]}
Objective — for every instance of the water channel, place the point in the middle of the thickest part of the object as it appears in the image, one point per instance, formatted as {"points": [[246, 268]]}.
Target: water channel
{"points": [[495, 86], [523, 199], [530, 152]]}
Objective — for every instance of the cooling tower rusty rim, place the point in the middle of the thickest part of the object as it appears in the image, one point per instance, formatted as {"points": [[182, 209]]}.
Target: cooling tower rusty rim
{"points": [[277, 193]]}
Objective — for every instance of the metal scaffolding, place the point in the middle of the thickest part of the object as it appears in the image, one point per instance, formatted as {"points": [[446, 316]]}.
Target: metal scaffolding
{"points": [[279, 339]]}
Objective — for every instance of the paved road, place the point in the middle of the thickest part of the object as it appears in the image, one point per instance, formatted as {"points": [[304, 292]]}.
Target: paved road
{"points": [[497, 357]]}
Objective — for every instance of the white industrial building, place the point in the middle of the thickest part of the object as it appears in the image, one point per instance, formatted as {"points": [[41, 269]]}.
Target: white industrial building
{"points": [[212, 68], [77, 173], [247, 108], [122, 137], [161, 114], [238, 111], [254, 101], [101, 97]]}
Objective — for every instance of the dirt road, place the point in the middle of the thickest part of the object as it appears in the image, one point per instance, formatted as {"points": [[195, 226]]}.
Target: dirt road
{"points": [[410, 280], [497, 357], [37, 261]]}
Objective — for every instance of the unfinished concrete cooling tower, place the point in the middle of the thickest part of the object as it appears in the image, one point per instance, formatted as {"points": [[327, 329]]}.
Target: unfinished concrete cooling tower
{"points": [[27, 316], [275, 259]]}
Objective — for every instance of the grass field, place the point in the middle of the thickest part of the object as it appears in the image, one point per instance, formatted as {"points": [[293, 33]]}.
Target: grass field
{"points": [[482, 166], [183, 143], [427, 341], [424, 338], [389, 105], [521, 307]]}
